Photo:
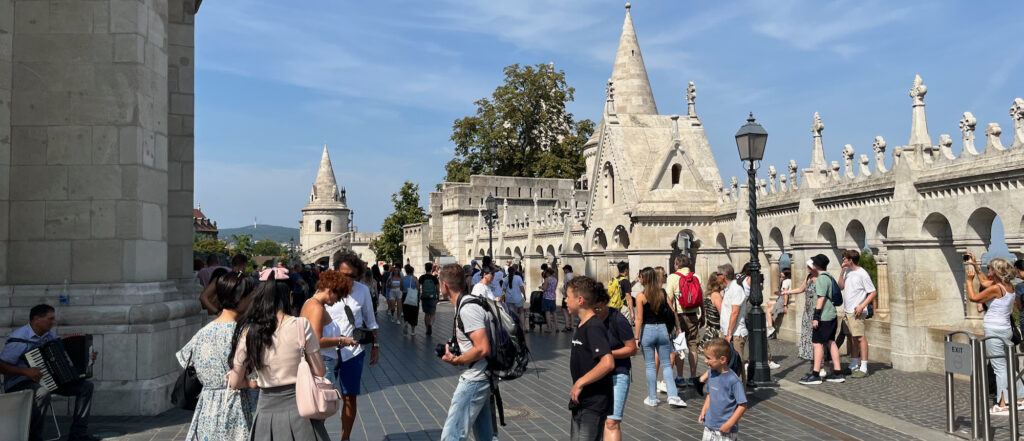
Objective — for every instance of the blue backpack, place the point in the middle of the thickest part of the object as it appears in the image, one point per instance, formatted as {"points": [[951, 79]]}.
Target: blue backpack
{"points": [[837, 294]]}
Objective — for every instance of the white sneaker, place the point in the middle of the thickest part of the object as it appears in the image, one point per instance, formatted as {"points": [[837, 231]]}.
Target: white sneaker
{"points": [[676, 402], [650, 402], [771, 331], [662, 388], [773, 365]]}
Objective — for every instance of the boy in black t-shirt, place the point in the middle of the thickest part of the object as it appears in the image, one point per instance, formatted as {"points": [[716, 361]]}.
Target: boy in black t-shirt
{"points": [[590, 363]]}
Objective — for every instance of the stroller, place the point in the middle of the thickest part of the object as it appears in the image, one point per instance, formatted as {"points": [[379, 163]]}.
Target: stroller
{"points": [[536, 315]]}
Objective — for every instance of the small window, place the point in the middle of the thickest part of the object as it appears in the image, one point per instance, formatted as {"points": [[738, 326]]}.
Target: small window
{"points": [[676, 171], [317, 226], [327, 226]]}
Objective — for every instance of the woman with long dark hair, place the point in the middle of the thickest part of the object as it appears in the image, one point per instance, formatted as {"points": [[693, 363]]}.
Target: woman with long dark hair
{"points": [[656, 325], [222, 414], [267, 345]]}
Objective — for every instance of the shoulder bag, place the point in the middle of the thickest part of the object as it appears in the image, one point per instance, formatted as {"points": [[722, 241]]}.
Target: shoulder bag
{"points": [[362, 335], [315, 396], [185, 394]]}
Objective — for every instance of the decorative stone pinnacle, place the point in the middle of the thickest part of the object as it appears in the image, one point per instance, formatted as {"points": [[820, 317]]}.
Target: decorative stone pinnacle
{"points": [[628, 6], [946, 146], [1017, 114], [691, 97], [992, 132], [865, 163], [818, 154], [817, 126], [848, 161], [967, 124], [879, 147], [918, 91]]}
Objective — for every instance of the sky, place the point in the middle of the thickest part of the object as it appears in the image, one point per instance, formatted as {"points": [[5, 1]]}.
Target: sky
{"points": [[382, 82]]}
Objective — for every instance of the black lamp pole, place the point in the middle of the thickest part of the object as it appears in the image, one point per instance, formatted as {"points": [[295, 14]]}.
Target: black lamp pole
{"points": [[491, 214], [751, 140]]}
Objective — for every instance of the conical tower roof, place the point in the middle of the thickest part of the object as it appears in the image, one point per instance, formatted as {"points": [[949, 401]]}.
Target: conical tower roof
{"points": [[325, 188], [632, 88]]}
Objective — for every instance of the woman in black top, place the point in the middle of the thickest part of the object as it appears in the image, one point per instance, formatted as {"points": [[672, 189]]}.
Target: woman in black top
{"points": [[656, 325]]}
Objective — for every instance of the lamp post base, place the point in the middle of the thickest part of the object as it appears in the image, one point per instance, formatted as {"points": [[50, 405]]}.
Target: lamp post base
{"points": [[758, 372]]}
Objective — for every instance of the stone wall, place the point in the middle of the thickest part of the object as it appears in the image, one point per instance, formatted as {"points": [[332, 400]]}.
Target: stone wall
{"points": [[97, 201]]}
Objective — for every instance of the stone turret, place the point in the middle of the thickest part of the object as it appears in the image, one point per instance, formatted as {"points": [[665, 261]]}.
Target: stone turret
{"points": [[326, 215], [632, 88]]}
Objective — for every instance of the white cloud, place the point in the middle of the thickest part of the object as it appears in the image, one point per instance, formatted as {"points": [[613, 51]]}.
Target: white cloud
{"points": [[832, 26]]}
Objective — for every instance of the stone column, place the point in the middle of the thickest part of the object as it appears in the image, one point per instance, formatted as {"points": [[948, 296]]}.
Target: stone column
{"points": [[6, 52], [773, 274], [882, 262], [180, 136], [88, 126]]}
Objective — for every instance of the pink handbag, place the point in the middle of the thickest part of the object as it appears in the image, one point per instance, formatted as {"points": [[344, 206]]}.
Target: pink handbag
{"points": [[316, 396]]}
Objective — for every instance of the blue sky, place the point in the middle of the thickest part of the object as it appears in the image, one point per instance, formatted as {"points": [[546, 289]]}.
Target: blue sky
{"points": [[381, 82]]}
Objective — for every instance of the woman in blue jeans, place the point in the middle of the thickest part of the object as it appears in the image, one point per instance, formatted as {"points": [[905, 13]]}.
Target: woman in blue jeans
{"points": [[998, 294], [656, 324]]}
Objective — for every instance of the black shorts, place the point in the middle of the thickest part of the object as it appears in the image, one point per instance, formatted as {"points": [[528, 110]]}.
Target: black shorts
{"points": [[825, 332]]}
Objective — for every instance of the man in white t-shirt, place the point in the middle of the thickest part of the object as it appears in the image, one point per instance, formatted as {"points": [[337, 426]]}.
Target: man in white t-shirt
{"points": [[734, 311], [482, 288], [858, 293]]}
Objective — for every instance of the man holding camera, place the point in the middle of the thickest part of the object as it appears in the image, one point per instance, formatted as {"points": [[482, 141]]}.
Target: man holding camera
{"points": [[859, 292], [471, 401]]}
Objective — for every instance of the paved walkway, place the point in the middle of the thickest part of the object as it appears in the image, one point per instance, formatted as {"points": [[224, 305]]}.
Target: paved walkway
{"points": [[406, 398]]}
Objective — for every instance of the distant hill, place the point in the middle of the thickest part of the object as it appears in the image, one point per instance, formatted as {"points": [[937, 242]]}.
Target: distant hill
{"points": [[272, 232]]}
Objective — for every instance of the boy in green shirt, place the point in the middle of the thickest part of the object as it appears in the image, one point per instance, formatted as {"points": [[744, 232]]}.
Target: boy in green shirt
{"points": [[824, 323]]}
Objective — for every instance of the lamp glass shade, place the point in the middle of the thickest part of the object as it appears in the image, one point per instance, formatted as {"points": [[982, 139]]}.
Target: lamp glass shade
{"points": [[751, 140], [492, 204]]}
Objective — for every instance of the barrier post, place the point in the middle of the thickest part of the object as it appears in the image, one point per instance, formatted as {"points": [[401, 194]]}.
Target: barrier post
{"points": [[983, 391], [976, 395], [1013, 375]]}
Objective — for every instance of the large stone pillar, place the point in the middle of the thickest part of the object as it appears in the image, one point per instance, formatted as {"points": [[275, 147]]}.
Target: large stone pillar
{"points": [[88, 122], [773, 276], [180, 136]]}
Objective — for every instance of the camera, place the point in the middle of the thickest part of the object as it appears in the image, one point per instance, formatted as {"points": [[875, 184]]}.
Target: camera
{"points": [[452, 346]]}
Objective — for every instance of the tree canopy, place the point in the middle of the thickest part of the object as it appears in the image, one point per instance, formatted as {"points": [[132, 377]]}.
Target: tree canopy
{"points": [[210, 246], [388, 246], [267, 247], [522, 130]]}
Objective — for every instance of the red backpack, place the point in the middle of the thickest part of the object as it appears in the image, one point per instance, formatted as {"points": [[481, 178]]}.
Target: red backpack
{"points": [[690, 294]]}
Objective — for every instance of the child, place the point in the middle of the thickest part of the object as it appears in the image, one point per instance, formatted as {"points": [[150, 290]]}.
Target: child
{"points": [[725, 402], [590, 363]]}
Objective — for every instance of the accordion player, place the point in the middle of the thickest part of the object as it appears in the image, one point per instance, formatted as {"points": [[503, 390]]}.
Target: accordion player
{"points": [[34, 358]]}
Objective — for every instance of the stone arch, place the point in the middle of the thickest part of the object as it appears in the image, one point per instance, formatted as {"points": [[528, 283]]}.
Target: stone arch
{"points": [[775, 239], [540, 250], [882, 231], [684, 242], [323, 261], [483, 252], [550, 254], [938, 279], [600, 241], [517, 253], [577, 248], [620, 237], [722, 243], [327, 226], [856, 236], [827, 234], [980, 224], [318, 223], [677, 170]]}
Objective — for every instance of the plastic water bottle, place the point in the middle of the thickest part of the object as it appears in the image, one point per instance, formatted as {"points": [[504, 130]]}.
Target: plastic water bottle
{"points": [[64, 295]]}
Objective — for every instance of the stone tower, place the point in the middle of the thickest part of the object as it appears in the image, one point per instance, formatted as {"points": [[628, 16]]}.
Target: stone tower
{"points": [[326, 216]]}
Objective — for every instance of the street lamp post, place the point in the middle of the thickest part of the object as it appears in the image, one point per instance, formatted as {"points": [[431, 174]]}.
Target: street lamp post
{"points": [[751, 140], [492, 207]]}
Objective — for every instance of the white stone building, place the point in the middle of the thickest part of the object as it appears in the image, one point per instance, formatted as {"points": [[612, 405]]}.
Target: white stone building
{"points": [[327, 225], [652, 189]]}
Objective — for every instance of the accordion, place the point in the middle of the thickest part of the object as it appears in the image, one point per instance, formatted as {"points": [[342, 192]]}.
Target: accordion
{"points": [[62, 361]]}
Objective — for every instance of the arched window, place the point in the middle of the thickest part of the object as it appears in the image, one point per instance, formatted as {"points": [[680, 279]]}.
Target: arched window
{"points": [[327, 226], [318, 226], [676, 170]]}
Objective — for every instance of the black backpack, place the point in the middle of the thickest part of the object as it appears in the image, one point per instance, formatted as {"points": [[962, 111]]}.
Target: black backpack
{"points": [[509, 355]]}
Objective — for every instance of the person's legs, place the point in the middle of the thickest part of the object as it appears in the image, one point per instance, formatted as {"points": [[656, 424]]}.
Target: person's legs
{"points": [[348, 415], [456, 426], [665, 349], [350, 373], [483, 425], [819, 353], [649, 351], [587, 425], [620, 391], [834, 350]]}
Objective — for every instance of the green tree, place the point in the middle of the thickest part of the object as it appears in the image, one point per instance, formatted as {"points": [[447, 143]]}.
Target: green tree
{"points": [[522, 130], [243, 244], [267, 247], [210, 246], [388, 246], [867, 261]]}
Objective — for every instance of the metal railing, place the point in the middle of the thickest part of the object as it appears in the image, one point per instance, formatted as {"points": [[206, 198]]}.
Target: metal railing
{"points": [[971, 359]]}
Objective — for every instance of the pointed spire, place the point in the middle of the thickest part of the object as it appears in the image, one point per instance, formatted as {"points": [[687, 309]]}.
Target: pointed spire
{"points": [[632, 88], [325, 188]]}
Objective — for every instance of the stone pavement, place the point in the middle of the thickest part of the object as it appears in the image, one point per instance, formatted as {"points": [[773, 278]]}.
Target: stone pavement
{"points": [[407, 394]]}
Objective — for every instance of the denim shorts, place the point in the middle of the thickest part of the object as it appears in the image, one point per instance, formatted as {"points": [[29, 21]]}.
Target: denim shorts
{"points": [[620, 389], [547, 305], [514, 305]]}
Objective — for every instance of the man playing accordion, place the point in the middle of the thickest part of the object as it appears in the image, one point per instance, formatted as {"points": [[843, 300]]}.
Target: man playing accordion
{"points": [[19, 376]]}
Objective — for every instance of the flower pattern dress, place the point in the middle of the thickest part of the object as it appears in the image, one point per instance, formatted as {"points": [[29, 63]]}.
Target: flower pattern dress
{"points": [[806, 350], [222, 414], [713, 323]]}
